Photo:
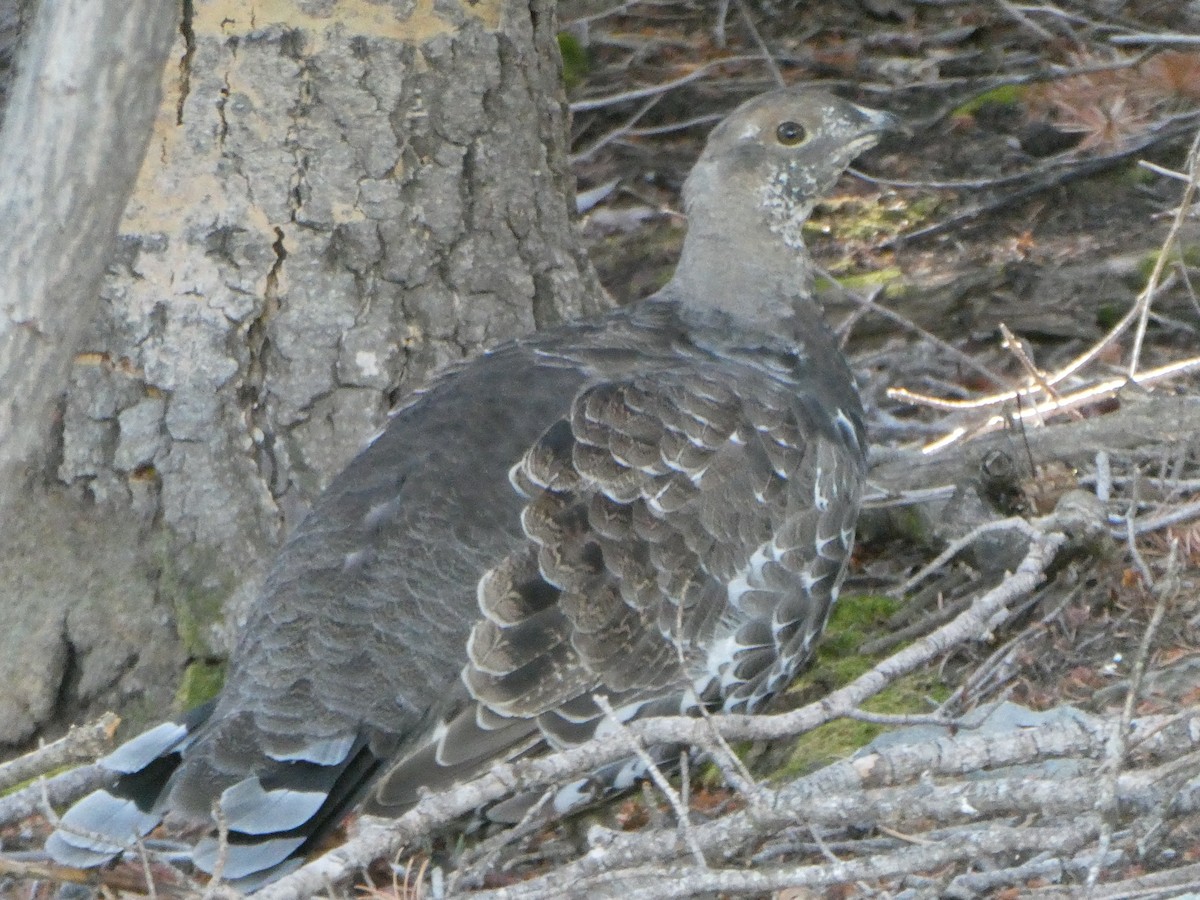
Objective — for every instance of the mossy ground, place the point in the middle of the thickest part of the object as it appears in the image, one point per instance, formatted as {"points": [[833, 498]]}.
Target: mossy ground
{"points": [[839, 660], [848, 220]]}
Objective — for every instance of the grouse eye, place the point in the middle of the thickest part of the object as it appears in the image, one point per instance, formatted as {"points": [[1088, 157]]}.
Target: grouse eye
{"points": [[790, 133]]}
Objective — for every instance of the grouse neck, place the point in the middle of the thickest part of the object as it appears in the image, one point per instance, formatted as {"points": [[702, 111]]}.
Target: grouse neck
{"points": [[769, 291]]}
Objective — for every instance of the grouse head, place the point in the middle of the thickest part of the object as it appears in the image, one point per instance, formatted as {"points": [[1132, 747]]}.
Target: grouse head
{"points": [[777, 154], [761, 172]]}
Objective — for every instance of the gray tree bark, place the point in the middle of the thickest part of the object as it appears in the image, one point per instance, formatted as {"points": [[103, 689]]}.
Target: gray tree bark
{"points": [[73, 138], [75, 127], [333, 204]]}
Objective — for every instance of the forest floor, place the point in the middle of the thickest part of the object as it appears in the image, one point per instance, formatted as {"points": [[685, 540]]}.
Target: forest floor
{"points": [[1015, 280]]}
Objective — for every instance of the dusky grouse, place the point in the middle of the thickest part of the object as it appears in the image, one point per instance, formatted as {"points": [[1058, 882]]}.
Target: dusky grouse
{"points": [[568, 515]]}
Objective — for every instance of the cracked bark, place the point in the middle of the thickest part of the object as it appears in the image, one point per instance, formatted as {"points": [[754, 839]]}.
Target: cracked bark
{"points": [[333, 204]]}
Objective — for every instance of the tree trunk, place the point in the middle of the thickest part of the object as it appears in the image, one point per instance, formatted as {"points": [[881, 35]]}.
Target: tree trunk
{"points": [[333, 204], [75, 127]]}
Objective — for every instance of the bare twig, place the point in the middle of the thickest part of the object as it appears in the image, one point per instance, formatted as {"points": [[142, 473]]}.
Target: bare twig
{"points": [[1104, 481], [1017, 15], [1162, 170], [1013, 523], [151, 888], [61, 789], [1075, 400], [1163, 40], [867, 303], [608, 137], [661, 882], [85, 742], [1036, 184], [1020, 351], [218, 869], [762, 45], [682, 815], [936, 719], [696, 74], [1119, 747], [1172, 238], [477, 860], [1184, 512], [1042, 387]]}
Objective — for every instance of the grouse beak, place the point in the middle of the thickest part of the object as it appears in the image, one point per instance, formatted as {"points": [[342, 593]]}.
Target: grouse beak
{"points": [[875, 124], [878, 120]]}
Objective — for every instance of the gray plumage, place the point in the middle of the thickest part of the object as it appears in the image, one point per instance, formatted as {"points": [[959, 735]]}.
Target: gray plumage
{"points": [[564, 516]]}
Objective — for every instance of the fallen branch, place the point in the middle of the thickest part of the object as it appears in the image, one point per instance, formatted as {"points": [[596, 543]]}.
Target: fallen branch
{"points": [[58, 791], [662, 882], [842, 794], [85, 742]]}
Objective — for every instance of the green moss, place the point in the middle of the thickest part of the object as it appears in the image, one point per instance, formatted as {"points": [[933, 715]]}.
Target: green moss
{"points": [[863, 610], [827, 744], [202, 680], [924, 207], [845, 666], [1109, 314], [1137, 175], [1004, 95], [914, 693], [907, 523], [197, 584], [869, 220], [50, 773], [576, 64], [856, 618], [910, 695], [1190, 255], [851, 624], [862, 279], [709, 776], [199, 599]]}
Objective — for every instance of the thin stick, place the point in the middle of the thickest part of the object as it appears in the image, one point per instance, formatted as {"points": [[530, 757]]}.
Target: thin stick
{"points": [[1023, 19], [620, 131], [1119, 748], [1052, 379], [1193, 167], [1186, 512], [869, 303], [84, 742], [762, 45], [1101, 391], [218, 870], [1017, 348], [1013, 523], [659, 779], [579, 106], [1165, 40]]}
